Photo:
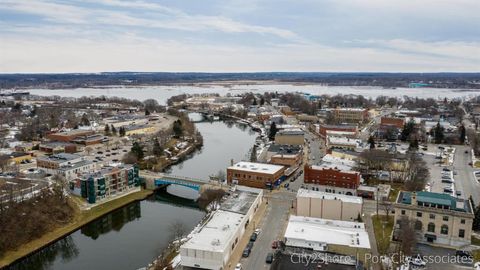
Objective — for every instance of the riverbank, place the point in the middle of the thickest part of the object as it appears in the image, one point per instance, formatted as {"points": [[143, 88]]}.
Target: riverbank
{"points": [[81, 218]]}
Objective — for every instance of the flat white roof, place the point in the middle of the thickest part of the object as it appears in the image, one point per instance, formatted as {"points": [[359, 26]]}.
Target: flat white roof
{"points": [[352, 109], [335, 232], [328, 196], [216, 233], [329, 161], [344, 141], [256, 167]]}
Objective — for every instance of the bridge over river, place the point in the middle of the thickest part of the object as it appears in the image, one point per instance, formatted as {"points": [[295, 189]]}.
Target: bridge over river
{"points": [[155, 180]]}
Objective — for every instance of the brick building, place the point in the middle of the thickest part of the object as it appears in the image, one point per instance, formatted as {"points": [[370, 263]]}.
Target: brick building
{"points": [[392, 121], [324, 129], [69, 136], [257, 175], [350, 115], [332, 179]]}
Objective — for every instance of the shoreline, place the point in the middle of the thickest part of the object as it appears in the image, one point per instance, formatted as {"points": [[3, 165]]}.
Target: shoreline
{"points": [[83, 218]]}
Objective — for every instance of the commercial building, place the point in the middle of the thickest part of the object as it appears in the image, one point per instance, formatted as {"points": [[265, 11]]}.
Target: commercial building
{"points": [[285, 155], [326, 235], [342, 143], [325, 205], [90, 139], [349, 130], [106, 182], [58, 147], [139, 130], [290, 136], [397, 122], [211, 243], [438, 218], [126, 120], [16, 157], [257, 175], [333, 175], [350, 115], [69, 136], [67, 165]]}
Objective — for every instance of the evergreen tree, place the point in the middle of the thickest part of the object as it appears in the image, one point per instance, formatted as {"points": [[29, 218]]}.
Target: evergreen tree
{"points": [[413, 144], [438, 133], [147, 112], [462, 134], [371, 141], [476, 219], [407, 130], [114, 130], [254, 102], [177, 128], [262, 101], [273, 131], [157, 149], [107, 129], [253, 154], [84, 121], [121, 131], [137, 150]]}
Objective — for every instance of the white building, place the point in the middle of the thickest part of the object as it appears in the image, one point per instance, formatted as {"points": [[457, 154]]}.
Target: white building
{"points": [[326, 205], [211, 243], [343, 143], [325, 234]]}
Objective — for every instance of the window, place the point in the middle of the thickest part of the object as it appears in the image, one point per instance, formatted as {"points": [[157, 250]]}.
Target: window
{"points": [[445, 218], [461, 233], [432, 216], [462, 221], [444, 229], [403, 212], [431, 227], [418, 225], [419, 214]]}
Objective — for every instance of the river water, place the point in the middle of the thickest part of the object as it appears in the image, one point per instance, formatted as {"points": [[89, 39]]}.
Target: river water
{"points": [[132, 236]]}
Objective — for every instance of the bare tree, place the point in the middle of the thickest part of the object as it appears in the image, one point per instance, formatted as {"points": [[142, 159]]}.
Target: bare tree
{"points": [[407, 236], [60, 185], [88, 150], [177, 230], [387, 207]]}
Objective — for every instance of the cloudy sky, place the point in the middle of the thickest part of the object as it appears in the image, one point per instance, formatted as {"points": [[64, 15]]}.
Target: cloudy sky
{"points": [[239, 35]]}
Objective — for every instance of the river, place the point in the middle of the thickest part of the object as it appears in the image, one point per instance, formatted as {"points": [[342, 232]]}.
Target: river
{"points": [[132, 236]]}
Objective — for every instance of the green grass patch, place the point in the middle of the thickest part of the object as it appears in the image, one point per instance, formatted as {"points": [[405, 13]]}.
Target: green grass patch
{"points": [[476, 255], [382, 234], [477, 164], [475, 241]]}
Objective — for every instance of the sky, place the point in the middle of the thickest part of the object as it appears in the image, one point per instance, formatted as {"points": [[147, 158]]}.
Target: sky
{"points": [[239, 36]]}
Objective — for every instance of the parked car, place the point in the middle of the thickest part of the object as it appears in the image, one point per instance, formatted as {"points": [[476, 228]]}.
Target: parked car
{"points": [[466, 152], [238, 266], [257, 231], [253, 237], [246, 252], [447, 180], [458, 193], [269, 258], [464, 254], [446, 169], [416, 261], [448, 190], [250, 245], [286, 185]]}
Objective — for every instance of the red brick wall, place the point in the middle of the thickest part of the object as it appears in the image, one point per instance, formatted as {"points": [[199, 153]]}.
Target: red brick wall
{"points": [[323, 129], [392, 121], [331, 177]]}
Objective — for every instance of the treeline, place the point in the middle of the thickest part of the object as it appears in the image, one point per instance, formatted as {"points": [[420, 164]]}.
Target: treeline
{"points": [[442, 80], [24, 221]]}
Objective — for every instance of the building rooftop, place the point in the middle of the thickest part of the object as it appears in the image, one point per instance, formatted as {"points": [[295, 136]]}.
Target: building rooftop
{"points": [[335, 232], [215, 233], [344, 141], [339, 126], [291, 131], [135, 127], [240, 202], [306, 193], [61, 157], [436, 200], [352, 109], [74, 132], [284, 149], [106, 170], [256, 167], [331, 162]]}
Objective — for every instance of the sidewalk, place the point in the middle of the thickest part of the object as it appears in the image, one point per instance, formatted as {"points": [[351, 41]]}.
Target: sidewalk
{"points": [[242, 243]]}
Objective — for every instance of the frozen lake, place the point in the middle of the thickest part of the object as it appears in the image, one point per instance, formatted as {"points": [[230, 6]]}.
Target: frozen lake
{"points": [[162, 93]]}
